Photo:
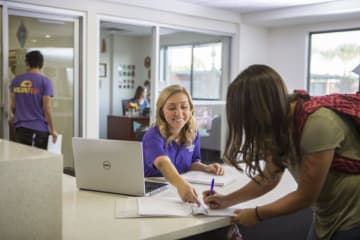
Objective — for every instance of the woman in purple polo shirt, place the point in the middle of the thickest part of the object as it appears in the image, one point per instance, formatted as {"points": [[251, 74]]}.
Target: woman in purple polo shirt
{"points": [[172, 145]]}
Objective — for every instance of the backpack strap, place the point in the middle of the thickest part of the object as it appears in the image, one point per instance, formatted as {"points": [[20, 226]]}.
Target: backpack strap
{"points": [[344, 104]]}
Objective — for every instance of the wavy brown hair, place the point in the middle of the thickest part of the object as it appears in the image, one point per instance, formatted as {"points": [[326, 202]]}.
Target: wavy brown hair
{"points": [[139, 91], [258, 116], [188, 132]]}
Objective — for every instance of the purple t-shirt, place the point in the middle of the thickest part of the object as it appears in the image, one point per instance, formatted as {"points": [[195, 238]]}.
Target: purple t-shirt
{"points": [[154, 145], [29, 88]]}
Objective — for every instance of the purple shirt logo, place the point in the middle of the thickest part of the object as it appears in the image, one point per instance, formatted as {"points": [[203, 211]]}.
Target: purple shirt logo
{"points": [[26, 88], [190, 148]]}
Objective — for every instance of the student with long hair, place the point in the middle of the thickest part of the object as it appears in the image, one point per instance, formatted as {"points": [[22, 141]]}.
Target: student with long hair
{"points": [[140, 98], [316, 139]]}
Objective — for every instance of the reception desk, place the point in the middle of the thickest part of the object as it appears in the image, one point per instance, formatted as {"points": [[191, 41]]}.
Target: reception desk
{"points": [[90, 215], [30, 192], [124, 127]]}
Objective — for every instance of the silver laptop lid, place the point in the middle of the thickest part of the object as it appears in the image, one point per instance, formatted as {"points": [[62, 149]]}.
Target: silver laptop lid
{"points": [[109, 166]]}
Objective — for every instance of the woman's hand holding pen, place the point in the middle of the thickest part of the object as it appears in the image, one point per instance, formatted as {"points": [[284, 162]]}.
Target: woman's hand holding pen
{"points": [[247, 217], [215, 200]]}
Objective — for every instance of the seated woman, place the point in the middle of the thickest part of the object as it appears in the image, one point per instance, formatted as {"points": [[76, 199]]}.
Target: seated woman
{"points": [[139, 98], [172, 145]]}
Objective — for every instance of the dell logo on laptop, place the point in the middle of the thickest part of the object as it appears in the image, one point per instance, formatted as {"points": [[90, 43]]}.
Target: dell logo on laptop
{"points": [[106, 165]]}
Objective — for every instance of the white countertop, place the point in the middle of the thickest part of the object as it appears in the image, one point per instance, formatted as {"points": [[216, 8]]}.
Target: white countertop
{"points": [[90, 215]]}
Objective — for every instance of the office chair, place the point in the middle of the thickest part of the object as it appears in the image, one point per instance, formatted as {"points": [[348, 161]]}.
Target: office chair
{"points": [[124, 103]]}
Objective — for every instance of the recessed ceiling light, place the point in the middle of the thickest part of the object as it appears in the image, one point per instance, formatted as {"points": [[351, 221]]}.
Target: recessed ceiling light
{"points": [[47, 36]]}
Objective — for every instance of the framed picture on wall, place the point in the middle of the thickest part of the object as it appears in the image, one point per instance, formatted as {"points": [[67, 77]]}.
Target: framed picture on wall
{"points": [[102, 70]]}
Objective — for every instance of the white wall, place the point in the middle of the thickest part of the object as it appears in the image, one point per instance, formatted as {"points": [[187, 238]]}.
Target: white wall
{"points": [[253, 46], [129, 51]]}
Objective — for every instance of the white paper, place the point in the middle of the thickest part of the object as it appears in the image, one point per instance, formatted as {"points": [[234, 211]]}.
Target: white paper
{"points": [[54, 147], [173, 207], [162, 207], [133, 207], [199, 177]]}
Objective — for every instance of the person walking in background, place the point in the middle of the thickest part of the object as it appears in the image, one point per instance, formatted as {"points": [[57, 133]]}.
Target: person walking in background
{"points": [[31, 94], [319, 145], [172, 145]]}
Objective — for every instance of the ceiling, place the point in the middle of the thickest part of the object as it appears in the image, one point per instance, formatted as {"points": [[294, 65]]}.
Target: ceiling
{"points": [[248, 6]]}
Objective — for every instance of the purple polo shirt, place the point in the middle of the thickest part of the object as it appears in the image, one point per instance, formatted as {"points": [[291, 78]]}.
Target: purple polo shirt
{"points": [[154, 145], [29, 88]]}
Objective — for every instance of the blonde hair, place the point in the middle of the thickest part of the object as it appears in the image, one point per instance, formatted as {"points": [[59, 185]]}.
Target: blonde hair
{"points": [[188, 132]]}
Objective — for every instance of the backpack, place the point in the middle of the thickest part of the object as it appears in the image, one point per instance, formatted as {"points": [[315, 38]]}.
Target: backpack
{"points": [[347, 105]]}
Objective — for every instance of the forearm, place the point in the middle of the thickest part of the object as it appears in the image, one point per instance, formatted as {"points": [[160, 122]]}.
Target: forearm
{"points": [[168, 170], [48, 113], [198, 166], [251, 190], [313, 172], [288, 204], [50, 121]]}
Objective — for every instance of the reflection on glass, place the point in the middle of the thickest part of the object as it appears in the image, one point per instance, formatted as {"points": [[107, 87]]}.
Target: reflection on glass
{"points": [[209, 119]]}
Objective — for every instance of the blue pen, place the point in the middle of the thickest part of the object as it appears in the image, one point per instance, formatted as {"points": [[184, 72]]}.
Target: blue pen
{"points": [[212, 186]]}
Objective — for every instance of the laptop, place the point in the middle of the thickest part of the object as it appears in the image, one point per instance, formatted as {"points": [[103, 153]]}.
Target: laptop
{"points": [[113, 166]]}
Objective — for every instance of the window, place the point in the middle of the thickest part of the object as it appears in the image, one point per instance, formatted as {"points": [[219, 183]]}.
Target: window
{"points": [[197, 67], [178, 65], [333, 57]]}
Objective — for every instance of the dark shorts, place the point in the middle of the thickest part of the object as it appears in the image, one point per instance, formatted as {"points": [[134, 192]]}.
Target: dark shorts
{"points": [[32, 137]]}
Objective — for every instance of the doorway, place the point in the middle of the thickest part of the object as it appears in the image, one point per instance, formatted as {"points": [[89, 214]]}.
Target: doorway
{"points": [[123, 50], [56, 37]]}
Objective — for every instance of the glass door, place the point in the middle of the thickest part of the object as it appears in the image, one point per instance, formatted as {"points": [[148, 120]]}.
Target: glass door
{"points": [[56, 38], [3, 95]]}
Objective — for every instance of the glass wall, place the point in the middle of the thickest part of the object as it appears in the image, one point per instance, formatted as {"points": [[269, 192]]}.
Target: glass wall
{"points": [[3, 95], [197, 61], [201, 63]]}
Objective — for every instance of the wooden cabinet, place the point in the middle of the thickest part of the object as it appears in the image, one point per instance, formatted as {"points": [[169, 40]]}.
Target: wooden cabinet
{"points": [[123, 127]]}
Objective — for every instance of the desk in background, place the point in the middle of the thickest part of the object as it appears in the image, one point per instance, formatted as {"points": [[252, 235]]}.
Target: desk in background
{"points": [[122, 127]]}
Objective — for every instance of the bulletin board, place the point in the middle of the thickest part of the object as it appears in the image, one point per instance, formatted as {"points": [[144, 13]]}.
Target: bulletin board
{"points": [[127, 76]]}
